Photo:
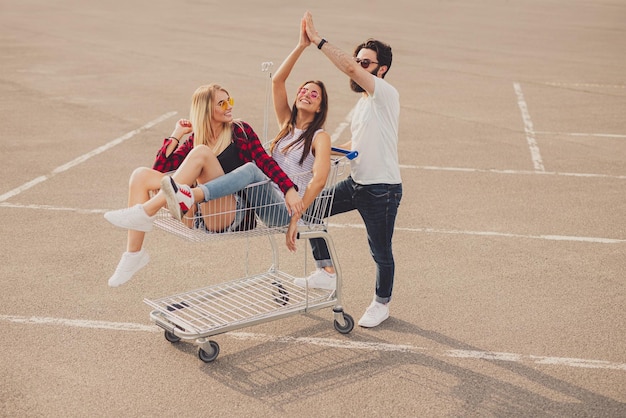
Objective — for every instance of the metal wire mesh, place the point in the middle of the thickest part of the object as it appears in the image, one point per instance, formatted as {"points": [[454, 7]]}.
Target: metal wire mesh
{"points": [[250, 213], [236, 302]]}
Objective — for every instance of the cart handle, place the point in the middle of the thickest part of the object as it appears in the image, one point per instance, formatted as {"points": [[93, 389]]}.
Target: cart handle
{"points": [[350, 155]]}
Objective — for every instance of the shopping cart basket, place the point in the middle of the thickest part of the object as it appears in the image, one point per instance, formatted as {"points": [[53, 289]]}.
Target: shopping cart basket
{"points": [[196, 315]]}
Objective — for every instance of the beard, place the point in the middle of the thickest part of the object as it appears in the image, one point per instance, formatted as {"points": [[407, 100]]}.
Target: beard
{"points": [[355, 87], [358, 89]]}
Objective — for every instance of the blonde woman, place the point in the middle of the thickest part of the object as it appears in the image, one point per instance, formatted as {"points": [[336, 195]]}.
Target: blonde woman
{"points": [[216, 145]]}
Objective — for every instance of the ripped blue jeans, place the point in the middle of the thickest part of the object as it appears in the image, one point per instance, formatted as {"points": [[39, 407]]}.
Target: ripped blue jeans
{"points": [[268, 201]]}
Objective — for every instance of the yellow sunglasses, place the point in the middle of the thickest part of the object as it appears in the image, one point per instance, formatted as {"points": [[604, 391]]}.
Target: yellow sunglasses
{"points": [[224, 103]]}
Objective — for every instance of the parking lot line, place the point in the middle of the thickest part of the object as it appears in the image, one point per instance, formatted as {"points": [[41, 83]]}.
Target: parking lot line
{"points": [[84, 157], [333, 343]]}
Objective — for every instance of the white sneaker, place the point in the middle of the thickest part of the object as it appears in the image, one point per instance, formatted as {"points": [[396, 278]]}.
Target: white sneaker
{"points": [[374, 314], [319, 279], [133, 217], [130, 264], [178, 196]]}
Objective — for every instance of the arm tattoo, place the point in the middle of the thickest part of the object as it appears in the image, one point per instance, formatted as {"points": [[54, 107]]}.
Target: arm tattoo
{"points": [[338, 57]]}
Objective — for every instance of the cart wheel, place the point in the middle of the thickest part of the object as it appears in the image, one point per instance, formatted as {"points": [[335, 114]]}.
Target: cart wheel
{"points": [[282, 298], [171, 337], [210, 356], [347, 327]]}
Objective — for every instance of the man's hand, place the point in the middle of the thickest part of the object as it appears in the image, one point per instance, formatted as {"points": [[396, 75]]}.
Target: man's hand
{"points": [[310, 28]]}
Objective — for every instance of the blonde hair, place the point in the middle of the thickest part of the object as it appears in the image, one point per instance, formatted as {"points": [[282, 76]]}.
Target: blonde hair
{"points": [[201, 114]]}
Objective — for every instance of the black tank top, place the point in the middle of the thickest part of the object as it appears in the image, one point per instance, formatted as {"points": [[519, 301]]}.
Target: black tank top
{"points": [[229, 158]]}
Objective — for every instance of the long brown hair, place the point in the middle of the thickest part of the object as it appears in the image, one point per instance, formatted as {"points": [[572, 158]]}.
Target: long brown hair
{"points": [[306, 139]]}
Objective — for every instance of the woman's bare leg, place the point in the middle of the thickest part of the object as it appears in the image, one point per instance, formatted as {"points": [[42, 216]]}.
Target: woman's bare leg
{"points": [[142, 181], [219, 213], [201, 165]]}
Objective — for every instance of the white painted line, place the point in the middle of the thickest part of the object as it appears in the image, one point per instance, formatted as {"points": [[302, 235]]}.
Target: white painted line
{"points": [[594, 240], [516, 172], [576, 362], [485, 355], [325, 342], [48, 207], [581, 134], [528, 127], [332, 343], [518, 358], [77, 323], [83, 157], [611, 86]]}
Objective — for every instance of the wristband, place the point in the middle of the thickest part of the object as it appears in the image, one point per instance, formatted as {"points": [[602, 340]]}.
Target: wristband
{"points": [[174, 138], [322, 42]]}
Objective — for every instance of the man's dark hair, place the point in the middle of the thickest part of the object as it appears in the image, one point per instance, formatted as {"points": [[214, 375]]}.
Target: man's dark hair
{"points": [[383, 52]]}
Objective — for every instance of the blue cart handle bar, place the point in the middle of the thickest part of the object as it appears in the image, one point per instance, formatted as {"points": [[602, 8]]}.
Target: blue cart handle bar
{"points": [[350, 155]]}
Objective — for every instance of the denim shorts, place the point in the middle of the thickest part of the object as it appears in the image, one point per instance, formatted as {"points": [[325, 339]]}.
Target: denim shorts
{"points": [[234, 226]]}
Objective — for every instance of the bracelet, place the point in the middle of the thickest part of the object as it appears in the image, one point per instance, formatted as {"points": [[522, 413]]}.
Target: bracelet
{"points": [[322, 42], [174, 138]]}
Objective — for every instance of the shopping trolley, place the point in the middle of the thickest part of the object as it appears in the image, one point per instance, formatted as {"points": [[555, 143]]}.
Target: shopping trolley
{"points": [[197, 315]]}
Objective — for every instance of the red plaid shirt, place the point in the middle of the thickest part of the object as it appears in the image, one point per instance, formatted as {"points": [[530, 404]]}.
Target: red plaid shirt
{"points": [[248, 146]]}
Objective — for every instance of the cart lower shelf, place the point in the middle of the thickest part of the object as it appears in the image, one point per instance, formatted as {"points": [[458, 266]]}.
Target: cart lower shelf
{"points": [[212, 310]]}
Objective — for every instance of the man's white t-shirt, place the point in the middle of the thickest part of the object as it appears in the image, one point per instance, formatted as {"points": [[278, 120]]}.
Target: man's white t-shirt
{"points": [[374, 128]]}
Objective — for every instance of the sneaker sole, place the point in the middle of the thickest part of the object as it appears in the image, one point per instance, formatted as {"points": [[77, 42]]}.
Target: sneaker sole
{"points": [[373, 325], [170, 196]]}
